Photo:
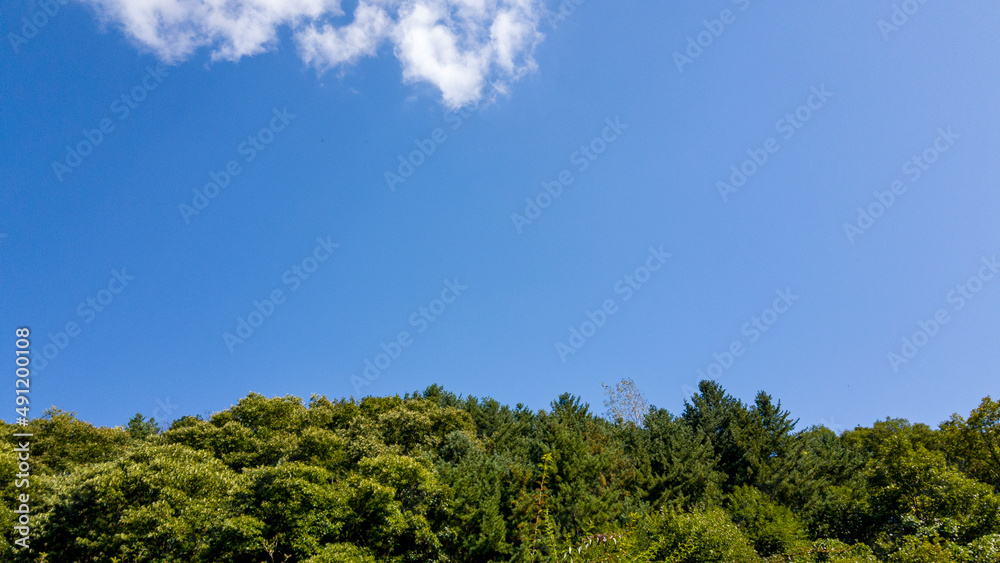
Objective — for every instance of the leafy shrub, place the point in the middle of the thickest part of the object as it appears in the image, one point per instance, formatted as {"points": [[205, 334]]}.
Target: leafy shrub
{"points": [[342, 553], [923, 550], [983, 550], [702, 536], [827, 551], [770, 527]]}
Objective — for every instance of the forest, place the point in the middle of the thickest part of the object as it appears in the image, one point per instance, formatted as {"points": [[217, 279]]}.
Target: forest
{"points": [[438, 477]]}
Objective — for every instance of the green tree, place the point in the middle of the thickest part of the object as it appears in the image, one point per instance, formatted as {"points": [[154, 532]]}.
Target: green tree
{"points": [[914, 491], [62, 442], [157, 503], [974, 443], [771, 528], [822, 480], [140, 428], [483, 487], [397, 509], [589, 469], [300, 506], [728, 424], [683, 464]]}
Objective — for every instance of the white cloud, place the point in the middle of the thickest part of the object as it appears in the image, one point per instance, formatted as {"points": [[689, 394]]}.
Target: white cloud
{"points": [[330, 46], [459, 46]]}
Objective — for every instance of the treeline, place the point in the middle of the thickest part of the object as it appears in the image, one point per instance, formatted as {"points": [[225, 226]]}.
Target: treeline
{"points": [[435, 477]]}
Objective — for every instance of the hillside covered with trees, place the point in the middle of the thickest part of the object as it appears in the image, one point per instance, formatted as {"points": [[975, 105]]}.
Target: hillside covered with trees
{"points": [[436, 477]]}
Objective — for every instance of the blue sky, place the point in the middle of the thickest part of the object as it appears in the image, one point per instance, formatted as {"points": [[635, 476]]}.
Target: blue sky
{"points": [[613, 98]]}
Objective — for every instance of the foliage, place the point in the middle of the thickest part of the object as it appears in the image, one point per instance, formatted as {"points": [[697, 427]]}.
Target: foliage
{"points": [[771, 528], [436, 477], [923, 550], [973, 444], [701, 536]]}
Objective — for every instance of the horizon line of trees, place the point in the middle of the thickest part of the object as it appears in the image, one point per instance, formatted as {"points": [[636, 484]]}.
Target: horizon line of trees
{"points": [[437, 477]]}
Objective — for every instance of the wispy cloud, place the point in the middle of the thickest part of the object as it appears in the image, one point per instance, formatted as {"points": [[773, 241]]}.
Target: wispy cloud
{"points": [[458, 46]]}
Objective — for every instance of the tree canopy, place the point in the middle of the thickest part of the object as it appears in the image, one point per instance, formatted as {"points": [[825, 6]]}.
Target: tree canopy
{"points": [[437, 477]]}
